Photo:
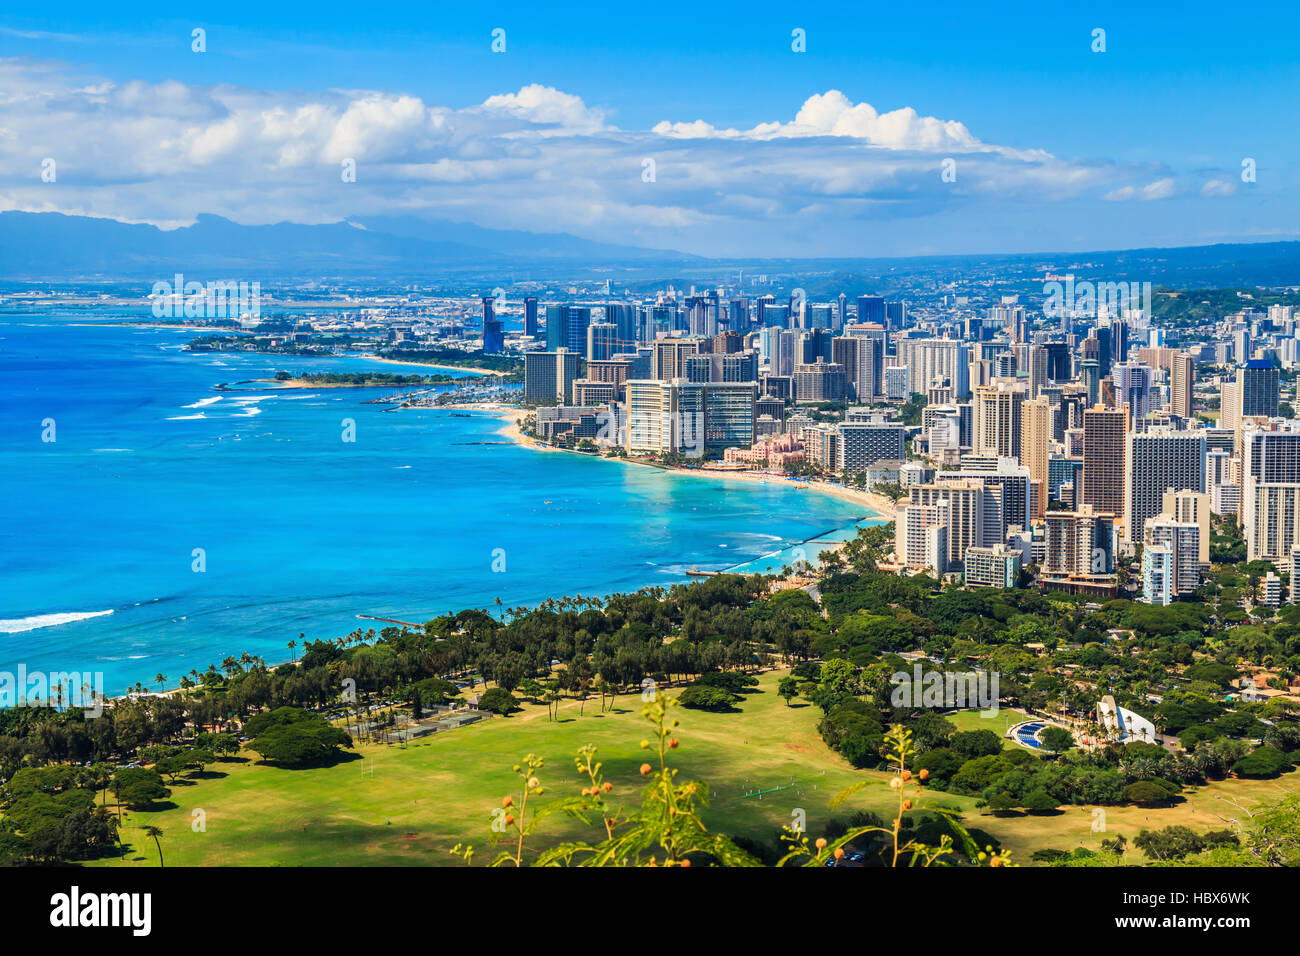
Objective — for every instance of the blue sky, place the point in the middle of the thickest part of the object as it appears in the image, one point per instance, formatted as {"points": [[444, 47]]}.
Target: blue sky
{"points": [[1058, 147]]}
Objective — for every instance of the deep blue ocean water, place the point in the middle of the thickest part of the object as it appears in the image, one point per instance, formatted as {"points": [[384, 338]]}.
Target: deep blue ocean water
{"points": [[301, 531]]}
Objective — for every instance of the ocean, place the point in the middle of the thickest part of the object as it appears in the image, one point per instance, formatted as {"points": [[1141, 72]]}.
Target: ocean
{"points": [[168, 526]]}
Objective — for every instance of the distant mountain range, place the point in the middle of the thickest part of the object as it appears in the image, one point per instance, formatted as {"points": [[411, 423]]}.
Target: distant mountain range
{"points": [[57, 247]]}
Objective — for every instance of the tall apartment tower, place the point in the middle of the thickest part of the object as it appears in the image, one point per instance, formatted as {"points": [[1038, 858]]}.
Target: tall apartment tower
{"points": [[1103, 459], [1270, 494], [1036, 445], [1159, 460], [1181, 379], [998, 420]]}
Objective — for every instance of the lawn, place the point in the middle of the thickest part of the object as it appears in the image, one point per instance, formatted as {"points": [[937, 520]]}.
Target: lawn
{"points": [[388, 805]]}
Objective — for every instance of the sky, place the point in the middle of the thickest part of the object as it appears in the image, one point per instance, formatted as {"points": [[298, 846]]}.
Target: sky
{"points": [[901, 129]]}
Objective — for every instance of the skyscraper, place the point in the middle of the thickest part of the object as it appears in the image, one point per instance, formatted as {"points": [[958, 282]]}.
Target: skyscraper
{"points": [[1159, 460], [998, 420], [1259, 388], [1037, 369], [549, 376], [1103, 459], [1181, 379], [871, 308], [1036, 445], [530, 316], [494, 337]]}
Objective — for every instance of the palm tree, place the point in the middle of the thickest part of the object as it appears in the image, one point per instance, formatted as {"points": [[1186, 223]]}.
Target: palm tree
{"points": [[161, 681], [154, 832]]}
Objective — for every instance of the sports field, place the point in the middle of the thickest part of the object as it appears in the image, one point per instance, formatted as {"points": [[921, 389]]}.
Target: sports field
{"points": [[394, 806]]}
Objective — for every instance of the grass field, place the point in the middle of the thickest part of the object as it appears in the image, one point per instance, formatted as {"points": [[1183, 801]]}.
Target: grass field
{"points": [[394, 806]]}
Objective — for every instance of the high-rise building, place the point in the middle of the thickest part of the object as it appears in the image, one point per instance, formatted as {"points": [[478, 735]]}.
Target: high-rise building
{"points": [[531, 326], [860, 358], [1259, 388], [1181, 379], [1104, 430], [729, 415], [936, 360], [1158, 574], [1133, 388], [494, 336], [1179, 573], [997, 566], [871, 308], [1079, 543], [566, 327], [669, 357], [1037, 369], [665, 418], [862, 444], [1159, 460], [602, 341], [1270, 492], [549, 377], [819, 382], [1036, 445], [966, 501], [998, 419], [921, 536], [1191, 507]]}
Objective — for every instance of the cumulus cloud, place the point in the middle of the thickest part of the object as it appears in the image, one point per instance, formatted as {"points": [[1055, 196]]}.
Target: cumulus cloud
{"points": [[537, 158]]}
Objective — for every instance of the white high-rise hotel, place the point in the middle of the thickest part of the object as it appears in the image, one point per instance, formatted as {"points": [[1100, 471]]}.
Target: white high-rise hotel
{"points": [[1270, 499], [936, 360], [1158, 461]]}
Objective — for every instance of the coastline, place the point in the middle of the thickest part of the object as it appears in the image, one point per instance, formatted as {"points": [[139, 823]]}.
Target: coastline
{"points": [[447, 368], [880, 506]]}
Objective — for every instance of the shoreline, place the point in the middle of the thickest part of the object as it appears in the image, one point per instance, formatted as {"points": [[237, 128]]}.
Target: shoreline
{"points": [[880, 506], [448, 368]]}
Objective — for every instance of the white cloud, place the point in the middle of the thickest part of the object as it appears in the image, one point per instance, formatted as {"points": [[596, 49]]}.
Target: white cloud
{"points": [[1160, 189], [537, 158], [1218, 187]]}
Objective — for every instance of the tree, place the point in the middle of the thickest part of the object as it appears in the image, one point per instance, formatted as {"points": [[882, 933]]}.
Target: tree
{"points": [[293, 737], [1039, 801], [155, 832], [788, 689], [498, 700], [138, 787], [1057, 739], [1263, 762]]}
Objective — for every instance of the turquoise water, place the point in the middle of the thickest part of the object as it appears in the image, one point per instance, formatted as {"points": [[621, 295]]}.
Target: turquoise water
{"points": [[299, 530]]}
